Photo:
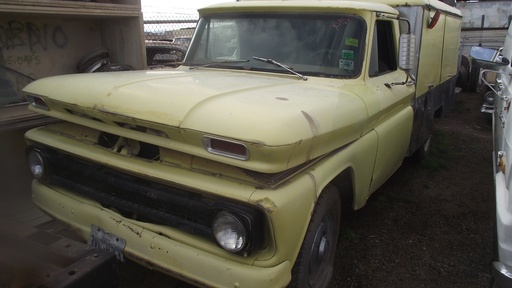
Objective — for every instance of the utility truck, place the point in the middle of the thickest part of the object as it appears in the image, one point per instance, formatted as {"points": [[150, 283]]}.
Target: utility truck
{"points": [[496, 77], [233, 169]]}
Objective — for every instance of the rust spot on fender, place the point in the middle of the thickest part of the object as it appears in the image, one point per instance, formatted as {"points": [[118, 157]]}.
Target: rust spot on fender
{"points": [[267, 204]]}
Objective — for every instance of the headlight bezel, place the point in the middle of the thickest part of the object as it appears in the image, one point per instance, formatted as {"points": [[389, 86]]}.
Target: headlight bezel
{"points": [[226, 221], [36, 158], [253, 221]]}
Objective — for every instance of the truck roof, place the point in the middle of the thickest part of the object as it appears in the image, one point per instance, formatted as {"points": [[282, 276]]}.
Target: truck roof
{"points": [[428, 3], [305, 5], [297, 6]]}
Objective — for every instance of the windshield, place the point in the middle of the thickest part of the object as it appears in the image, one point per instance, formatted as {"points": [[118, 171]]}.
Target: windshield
{"points": [[319, 44]]}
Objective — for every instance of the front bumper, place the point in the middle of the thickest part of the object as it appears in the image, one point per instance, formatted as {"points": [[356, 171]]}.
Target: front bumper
{"points": [[159, 252], [502, 275]]}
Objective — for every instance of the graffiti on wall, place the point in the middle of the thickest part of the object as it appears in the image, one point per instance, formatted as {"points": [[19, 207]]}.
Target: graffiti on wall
{"points": [[30, 38], [24, 44]]}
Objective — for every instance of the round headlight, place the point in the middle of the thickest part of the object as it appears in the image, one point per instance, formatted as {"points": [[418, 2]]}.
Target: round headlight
{"points": [[229, 232], [36, 164]]}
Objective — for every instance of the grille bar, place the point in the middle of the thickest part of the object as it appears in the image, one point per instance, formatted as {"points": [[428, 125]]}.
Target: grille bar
{"points": [[131, 196]]}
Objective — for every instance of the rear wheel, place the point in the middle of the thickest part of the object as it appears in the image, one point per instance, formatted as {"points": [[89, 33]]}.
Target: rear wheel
{"points": [[314, 265]]}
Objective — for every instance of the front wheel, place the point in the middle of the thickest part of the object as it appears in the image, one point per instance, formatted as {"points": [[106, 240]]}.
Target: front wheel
{"points": [[314, 265]]}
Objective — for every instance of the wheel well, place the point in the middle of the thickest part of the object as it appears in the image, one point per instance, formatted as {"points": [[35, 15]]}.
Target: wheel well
{"points": [[343, 182], [439, 113]]}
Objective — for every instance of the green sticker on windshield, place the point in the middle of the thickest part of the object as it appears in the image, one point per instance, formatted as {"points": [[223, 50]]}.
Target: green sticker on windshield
{"points": [[347, 54], [352, 42]]}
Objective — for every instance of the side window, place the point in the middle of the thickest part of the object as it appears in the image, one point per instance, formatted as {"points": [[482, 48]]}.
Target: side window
{"points": [[383, 55]]}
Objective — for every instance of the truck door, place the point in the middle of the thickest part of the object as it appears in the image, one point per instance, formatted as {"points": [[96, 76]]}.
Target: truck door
{"points": [[390, 106]]}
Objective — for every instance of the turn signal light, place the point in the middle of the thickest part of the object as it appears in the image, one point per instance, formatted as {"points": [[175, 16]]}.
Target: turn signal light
{"points": [[37, 102], [226, 148]]}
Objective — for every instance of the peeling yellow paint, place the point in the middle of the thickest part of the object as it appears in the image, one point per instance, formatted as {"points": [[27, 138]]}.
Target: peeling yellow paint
{"points": [[267, 204]]}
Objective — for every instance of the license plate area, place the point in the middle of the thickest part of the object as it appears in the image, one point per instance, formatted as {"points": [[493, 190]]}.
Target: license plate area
{"points": [[99, 238]]}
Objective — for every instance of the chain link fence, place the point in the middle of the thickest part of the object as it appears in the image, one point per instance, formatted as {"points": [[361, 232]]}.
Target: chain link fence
{"points": [[168, 29], [167, 33]]}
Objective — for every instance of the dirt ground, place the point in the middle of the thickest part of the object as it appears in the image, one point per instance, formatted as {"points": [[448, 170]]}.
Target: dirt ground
{"points": [[430, 225]]}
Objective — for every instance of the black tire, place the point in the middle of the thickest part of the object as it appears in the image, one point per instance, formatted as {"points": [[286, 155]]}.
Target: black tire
{"points": [[90, 60], [474, 73], [463, 76], [314, 265]]}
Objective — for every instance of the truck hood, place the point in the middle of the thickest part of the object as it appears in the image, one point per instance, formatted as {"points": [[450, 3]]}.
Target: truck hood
{"points": [[264, 109]]}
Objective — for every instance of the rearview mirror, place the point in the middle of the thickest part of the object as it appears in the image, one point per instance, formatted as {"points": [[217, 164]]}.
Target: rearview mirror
{"points": [[407, 56], [407, 52]]}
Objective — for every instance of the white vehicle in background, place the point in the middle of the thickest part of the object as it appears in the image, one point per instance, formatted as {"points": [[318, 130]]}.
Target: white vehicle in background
{"points": [[497, 78]]}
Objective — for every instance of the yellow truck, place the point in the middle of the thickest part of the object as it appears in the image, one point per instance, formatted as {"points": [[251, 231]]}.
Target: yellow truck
{"points": [[233, 169]]}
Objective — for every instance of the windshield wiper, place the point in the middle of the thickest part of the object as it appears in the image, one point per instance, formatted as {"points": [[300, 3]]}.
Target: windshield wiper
{"points": [[287, 68], [219, 62]]}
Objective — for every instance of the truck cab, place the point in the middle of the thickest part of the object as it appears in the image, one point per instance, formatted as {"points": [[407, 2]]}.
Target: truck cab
{"points": [[233, 169]]}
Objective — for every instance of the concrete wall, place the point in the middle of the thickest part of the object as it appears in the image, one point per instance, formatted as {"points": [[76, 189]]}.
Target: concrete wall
{"points": [[484, 24], [485, 14], [44, 38]]}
